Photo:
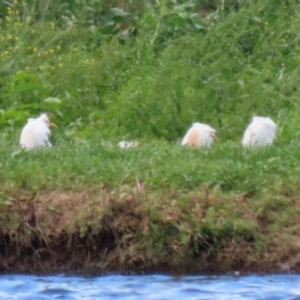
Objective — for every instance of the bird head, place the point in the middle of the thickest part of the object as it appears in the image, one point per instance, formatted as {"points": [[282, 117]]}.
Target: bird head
{"points": [[214, 136], [46, 118], [135, 144]]}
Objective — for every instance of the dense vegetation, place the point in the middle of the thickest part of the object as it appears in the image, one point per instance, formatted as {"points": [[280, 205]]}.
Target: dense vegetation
{"points": [[113, 70], [150, 72]]}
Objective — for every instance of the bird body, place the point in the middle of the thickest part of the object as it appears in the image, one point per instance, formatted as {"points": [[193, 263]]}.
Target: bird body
{"points": [[128, 145], [36, 132], [199, 135], [260, 132]]}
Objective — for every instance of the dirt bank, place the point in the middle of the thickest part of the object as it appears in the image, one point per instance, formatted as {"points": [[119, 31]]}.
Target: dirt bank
{"points": [[135, 230]]}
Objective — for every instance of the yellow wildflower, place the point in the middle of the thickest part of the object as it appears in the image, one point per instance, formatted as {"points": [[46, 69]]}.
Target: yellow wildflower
{"points": [[10, 11], [18, 24]]}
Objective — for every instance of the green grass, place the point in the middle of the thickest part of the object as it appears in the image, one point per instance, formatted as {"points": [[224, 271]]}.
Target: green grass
{"points": [[221, 69], [159, 165]]}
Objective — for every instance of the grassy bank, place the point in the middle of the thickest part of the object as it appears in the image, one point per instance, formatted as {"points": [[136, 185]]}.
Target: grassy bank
{"points": [[97, 208], [125, 70]]}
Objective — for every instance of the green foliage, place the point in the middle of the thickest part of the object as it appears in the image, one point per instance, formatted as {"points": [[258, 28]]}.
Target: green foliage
{"points": [[149, 69]]}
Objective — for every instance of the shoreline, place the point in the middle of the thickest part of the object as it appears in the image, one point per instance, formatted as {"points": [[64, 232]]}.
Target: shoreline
{"points": [[134, 232]]}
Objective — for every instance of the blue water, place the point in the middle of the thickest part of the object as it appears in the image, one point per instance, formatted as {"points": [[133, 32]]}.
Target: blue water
{"points": [[160, 287]]}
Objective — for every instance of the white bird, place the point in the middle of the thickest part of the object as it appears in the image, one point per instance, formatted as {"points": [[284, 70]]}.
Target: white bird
{"points": [[128, 145], [199, 135], [36, 132], [260, 132]]}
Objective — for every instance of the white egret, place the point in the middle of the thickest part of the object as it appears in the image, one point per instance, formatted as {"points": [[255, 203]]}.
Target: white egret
{"points": [[36, 132], [128, 145], [260, 132], [199, 135]]}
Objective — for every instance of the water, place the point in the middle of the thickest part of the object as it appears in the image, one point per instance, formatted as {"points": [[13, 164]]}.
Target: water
{"points": [[160, 287]]}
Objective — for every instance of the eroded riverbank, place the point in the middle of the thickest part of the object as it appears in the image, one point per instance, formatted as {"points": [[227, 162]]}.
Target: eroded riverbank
{"points": [[138, 230]]}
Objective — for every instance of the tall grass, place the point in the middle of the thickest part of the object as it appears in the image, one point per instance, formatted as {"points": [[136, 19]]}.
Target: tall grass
{"points": [[148, 73]]}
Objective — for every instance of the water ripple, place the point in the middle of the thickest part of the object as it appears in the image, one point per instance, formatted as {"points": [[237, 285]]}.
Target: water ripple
{"points": [[152, 287]]}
